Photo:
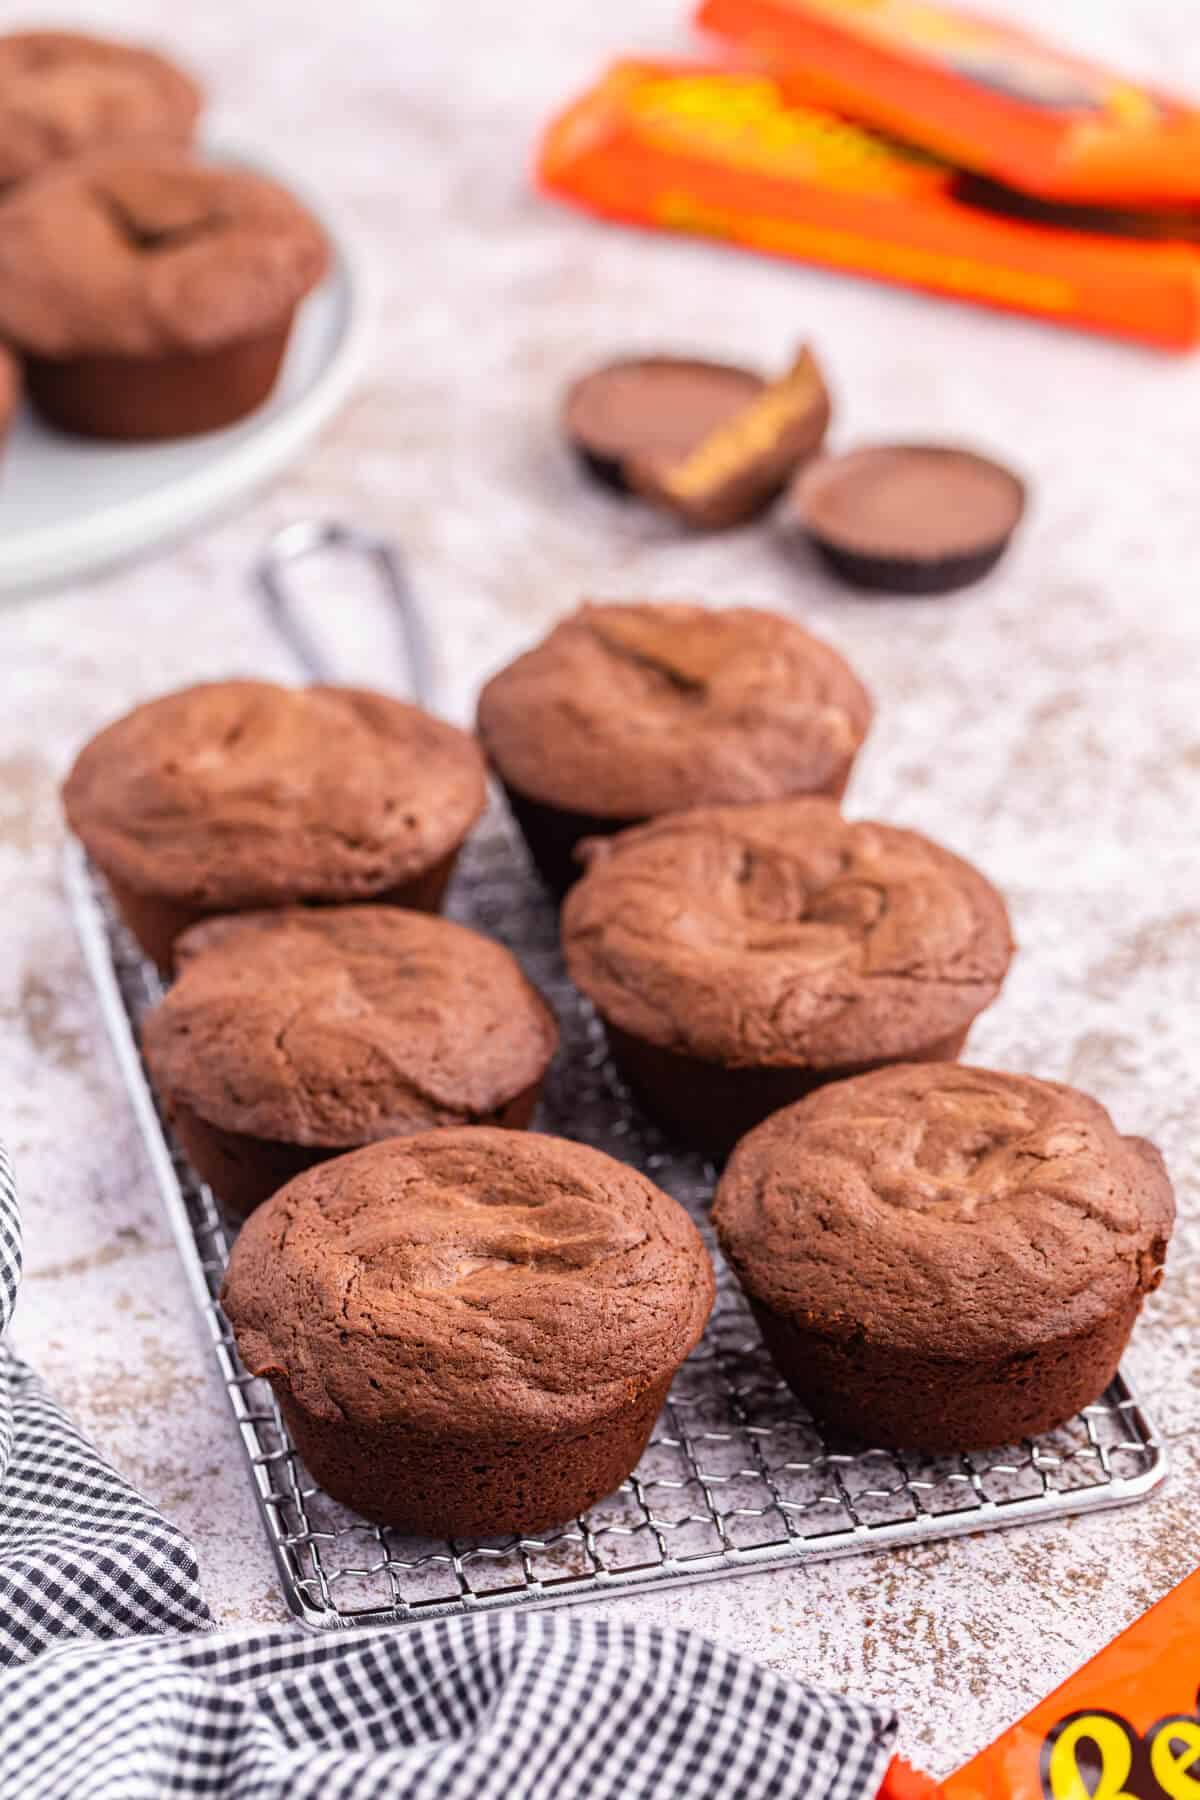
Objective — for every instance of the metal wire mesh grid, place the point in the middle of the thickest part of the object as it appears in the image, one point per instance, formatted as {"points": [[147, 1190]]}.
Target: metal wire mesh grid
{"points": [[736, 1476]]}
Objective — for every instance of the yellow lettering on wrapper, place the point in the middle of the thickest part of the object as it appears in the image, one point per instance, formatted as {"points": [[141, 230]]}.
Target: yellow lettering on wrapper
{"points": [[745, 123], [1177, 1772], [1111, 1739]]}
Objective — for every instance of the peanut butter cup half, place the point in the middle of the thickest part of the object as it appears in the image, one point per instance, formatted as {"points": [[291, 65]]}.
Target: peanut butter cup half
{"points": [[652, 408], [709, 442]]}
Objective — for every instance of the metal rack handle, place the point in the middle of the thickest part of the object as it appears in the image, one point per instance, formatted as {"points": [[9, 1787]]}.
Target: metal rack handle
{"points": [[315, 537]]}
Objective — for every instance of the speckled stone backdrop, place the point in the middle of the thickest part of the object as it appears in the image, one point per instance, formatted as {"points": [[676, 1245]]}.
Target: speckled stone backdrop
{"points": [[1046, 724]]}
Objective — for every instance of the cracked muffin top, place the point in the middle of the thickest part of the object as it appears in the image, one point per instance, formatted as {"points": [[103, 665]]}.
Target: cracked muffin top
{"points": [[237, 794], [940, 1207], [471, 1283], [338, 1026], [62, 93], [627, 711], [783, 935], [141, 255]]}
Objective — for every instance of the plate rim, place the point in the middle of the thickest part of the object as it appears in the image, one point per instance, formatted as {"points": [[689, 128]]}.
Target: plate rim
{"points": [[50, 555]]}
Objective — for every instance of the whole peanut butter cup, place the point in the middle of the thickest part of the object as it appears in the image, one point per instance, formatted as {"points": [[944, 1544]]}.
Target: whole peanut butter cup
{"points": [[908, 518]]}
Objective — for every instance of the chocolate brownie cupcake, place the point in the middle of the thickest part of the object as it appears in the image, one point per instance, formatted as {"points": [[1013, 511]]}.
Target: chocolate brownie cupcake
{"points": [[152, 295], [62, 94], [292, 1036], [236, 795], [628, 711], [10, 394], [945, 1258], [740, 955], [469, 1332]]}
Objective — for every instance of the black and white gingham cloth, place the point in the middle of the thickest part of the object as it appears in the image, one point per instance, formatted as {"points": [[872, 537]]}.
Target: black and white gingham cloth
{"points": [[552, 1706], [81, 1553], [545, 1706]]}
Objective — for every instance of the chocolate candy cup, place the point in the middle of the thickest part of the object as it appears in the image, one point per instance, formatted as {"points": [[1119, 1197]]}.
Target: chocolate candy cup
{"points": [[908, 518], [738, 469], [708, 442], [655, 408]]}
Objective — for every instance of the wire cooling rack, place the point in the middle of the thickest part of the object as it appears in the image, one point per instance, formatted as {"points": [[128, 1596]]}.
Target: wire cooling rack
{"points": [[736, 1476]]}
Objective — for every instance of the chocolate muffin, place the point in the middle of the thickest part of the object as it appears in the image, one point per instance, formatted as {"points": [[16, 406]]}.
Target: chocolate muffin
{"points": [[292, 1036], [945, 1258], [740, 955], [62, 94], [469, 1332], [10, 394], [152, 295], [628, 711], [236, 795]]}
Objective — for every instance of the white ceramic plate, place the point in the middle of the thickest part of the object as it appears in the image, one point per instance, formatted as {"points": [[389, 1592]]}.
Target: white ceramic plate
{"points": [[69, 507]]}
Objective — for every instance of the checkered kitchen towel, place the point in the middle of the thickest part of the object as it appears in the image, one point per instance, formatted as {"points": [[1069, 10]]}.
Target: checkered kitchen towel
{"points": [[554, 1706], [81, 1553], [549, 1706]]}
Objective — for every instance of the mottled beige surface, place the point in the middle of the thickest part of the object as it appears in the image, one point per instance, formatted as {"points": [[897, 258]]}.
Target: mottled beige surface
{"points": [[1047, 724]]}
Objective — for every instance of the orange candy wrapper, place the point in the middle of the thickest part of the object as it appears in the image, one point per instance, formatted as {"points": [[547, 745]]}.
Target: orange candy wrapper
{"points": [[980, 93], [1126, 1727], [733, 155], [903, 1782]]}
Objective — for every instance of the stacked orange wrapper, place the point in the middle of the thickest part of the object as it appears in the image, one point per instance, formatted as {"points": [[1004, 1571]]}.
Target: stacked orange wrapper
{"points": [[907, 142]]}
